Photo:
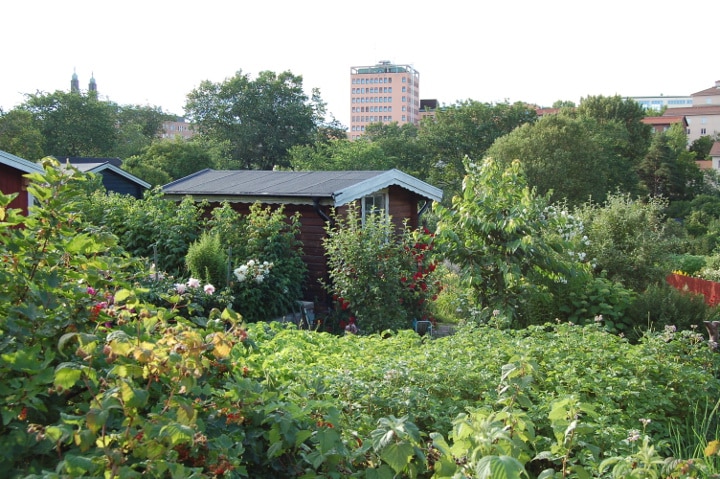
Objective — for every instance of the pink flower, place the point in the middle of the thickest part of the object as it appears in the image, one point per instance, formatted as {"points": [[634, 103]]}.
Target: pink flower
{"points": [[209, 289], [91, 291], [193, 283], [180, 288]]}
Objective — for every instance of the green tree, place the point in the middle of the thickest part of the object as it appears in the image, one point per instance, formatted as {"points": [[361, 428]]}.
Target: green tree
{"points": [[669, 169], [634, 136], [340, 155], [494, 233], [701, 147], [402, 146], [138, 126], [20, 136], [629, 240], [257, 120], [466, 129], [74, 124], [176, 158], [565, 157]]}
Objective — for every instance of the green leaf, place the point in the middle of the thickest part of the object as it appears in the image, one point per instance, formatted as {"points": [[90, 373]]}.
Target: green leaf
{"points": [[122, 295], [96, 419], [176, 433], [499, 467], [133, 397], [397, 455], [25, 360], [84, 439], [327, 440], [301, 436], [67, 375], [64, 339], [83, 244], [77, 466], [382, 472]]}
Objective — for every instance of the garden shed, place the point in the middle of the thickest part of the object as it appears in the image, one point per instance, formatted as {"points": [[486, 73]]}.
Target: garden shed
{"points": [[12, 180], [114, 178], [314, 195]]}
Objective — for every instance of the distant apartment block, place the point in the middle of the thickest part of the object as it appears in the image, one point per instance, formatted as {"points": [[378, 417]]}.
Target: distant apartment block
{"points": [[703, 117], [428, 108], [179, 127], [657, 103], [385, 93]]}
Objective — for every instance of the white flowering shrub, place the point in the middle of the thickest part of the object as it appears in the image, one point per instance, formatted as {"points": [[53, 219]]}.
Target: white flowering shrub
{"points": [[253, 271]]}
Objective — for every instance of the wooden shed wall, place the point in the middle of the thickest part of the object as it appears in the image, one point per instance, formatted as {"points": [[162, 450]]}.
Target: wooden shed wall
{"points": [[312, 232], [12, 181], [119, 184], [402, 204]]}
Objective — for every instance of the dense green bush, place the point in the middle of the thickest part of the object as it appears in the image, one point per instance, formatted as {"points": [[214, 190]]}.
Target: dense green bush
{"points": [[628, 240], [264, 236], [380, 278], [690, 264], [152, 228], [661, 306], [206, 260], [512, 249]]}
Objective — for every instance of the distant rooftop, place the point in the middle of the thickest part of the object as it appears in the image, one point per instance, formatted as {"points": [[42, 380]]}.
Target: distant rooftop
{"points": [[383, 66]]}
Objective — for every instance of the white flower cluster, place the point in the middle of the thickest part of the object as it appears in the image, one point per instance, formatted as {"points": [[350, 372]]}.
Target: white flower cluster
{"points": [[193, 283], [253, 270]]}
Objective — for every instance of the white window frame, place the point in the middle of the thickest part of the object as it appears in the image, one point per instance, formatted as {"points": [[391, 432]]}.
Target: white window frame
{"points": [[376, 197]]}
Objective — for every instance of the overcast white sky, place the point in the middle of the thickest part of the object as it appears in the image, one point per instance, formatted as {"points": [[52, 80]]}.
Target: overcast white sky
{"points": [[155, 52]]}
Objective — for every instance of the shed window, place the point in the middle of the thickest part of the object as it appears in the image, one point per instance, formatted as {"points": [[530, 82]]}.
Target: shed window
{"points": [[375, 203]]}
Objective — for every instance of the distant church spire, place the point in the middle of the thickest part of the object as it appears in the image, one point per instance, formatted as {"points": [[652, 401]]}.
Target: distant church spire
{"points": [[92, 86], [74, 83]]}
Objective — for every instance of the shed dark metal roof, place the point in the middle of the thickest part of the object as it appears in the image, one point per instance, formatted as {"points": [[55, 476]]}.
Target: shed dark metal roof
{"points": [[341, 186]]}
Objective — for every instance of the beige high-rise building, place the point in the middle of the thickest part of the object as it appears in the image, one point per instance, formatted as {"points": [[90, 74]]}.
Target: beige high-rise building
{"points": [[384, 93]]}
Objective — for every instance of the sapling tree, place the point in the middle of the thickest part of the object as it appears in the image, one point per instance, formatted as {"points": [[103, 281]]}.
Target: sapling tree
{"points": [[495, 233]]}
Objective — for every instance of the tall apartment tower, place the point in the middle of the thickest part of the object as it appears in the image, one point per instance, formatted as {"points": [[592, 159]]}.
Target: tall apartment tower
{"points": [[385, 93]]}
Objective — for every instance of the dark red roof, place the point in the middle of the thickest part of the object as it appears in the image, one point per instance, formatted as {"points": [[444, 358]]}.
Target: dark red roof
{"points": [[715, 90], [664, 120], [715, 150], [693, 110]]}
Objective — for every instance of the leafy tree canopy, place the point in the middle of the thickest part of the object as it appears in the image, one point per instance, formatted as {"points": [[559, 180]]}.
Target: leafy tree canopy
{"points": [[701, 147], [494, 233], [628, 114], [20, 136], [177, 158], [566, 157], [138, 126], [467, 128], [258, 120], [74, 124], [339, 155], [668, 170], [401, 144]]}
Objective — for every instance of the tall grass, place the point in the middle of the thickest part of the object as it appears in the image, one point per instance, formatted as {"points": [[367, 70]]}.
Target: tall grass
{"points": [[701, 426]]}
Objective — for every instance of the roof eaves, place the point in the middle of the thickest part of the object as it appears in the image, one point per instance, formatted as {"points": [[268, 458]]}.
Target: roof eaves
{"points": [[115, 169], [19, 163], [383, 180]]}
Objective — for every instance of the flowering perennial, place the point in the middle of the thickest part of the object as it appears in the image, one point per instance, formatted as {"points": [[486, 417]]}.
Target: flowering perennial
{"points": [[253, 270], [193, 283]]}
